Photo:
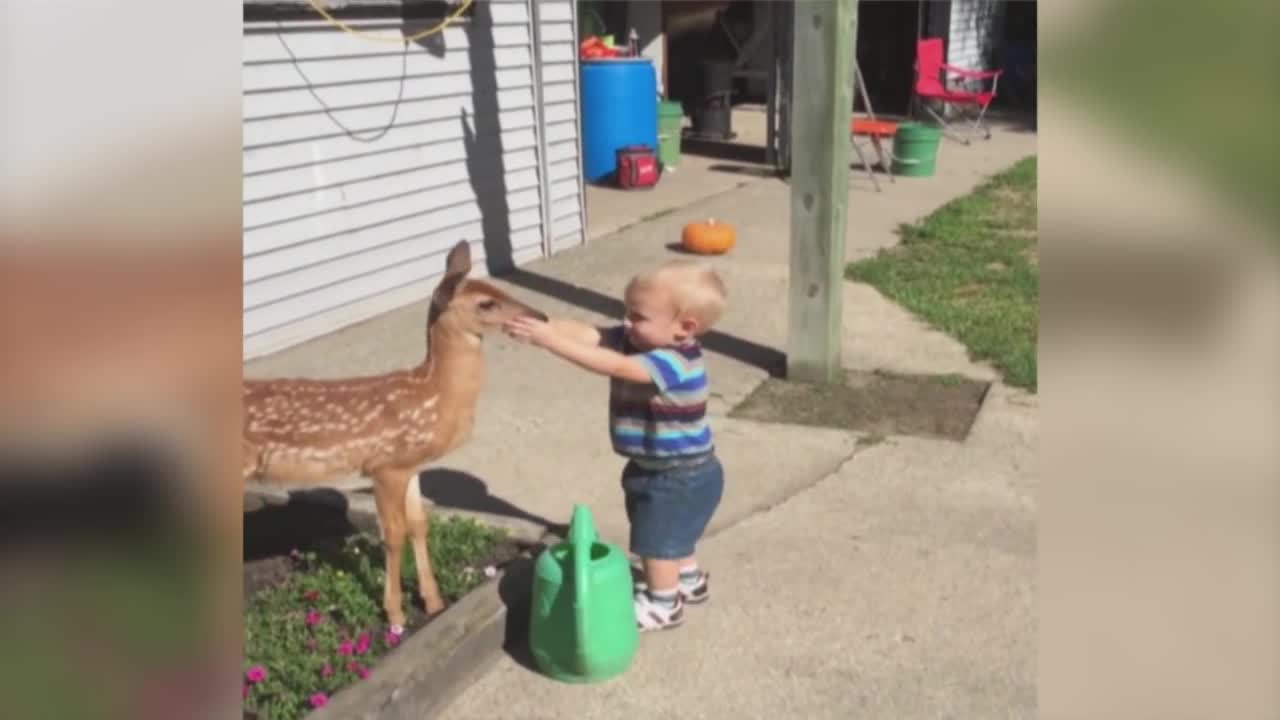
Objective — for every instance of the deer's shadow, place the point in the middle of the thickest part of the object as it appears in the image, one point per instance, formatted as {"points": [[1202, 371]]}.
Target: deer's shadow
{"points": [[447, 487]]}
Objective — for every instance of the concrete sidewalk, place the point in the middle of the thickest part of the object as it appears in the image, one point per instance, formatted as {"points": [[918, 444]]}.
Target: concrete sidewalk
{"points": [[892, 580], [899, 586]]}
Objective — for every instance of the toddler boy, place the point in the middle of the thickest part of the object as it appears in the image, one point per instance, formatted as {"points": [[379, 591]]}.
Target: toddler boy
{"points": [[658, 392]]}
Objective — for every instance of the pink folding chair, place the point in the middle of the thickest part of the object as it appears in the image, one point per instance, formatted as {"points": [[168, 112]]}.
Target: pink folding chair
{"points": [[931, 84]]}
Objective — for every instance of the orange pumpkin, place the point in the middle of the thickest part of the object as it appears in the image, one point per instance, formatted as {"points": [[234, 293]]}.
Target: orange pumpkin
{"points": [[708, 238]]}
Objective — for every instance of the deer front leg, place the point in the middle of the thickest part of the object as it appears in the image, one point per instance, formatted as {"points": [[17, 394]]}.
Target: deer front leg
{"points": [[416, 513], [388, 493]]}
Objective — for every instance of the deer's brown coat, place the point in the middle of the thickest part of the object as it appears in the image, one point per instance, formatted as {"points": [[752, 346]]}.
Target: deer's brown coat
{"points": [[303, 432]]}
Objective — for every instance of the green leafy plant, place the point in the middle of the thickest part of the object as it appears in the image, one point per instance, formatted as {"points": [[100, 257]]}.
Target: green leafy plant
{"points": [[322, 627]]}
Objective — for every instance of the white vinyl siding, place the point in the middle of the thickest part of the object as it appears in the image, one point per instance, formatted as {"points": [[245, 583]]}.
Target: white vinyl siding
{"points": [[365, 162], [559, 57]]}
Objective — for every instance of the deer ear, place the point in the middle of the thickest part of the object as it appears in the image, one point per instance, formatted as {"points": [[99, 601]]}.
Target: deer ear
{"points": [[443, 295], [459, 261], [456, 268]]}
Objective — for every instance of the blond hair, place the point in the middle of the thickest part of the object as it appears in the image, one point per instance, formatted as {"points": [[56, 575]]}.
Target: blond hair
{"points": [[695, 289]]}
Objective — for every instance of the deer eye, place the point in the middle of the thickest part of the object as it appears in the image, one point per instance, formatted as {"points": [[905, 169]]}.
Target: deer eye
{"points": [[488, 304]]}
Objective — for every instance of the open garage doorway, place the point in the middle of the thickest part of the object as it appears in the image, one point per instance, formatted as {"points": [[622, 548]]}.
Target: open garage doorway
{"points": [[754, 38]]}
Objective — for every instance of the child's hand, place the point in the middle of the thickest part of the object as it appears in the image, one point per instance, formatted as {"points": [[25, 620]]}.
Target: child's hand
{"points": [[538, 332]]}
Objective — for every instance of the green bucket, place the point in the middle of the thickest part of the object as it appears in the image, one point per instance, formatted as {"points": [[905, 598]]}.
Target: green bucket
{"points": [[915, 149], [670, 125]]}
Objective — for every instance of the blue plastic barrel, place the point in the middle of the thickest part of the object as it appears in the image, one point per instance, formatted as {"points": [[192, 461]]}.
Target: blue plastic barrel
{"points": [[619, 108]]}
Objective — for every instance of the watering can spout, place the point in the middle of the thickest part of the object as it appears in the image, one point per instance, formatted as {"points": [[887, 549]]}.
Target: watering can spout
{"points": [[582, 531], [582, 534]]}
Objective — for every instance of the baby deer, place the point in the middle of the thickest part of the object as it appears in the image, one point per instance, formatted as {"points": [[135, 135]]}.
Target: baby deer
{"points": [[304, 432]]}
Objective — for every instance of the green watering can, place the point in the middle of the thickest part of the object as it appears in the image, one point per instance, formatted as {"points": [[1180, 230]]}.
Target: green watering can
{"points": [[583, 624]]}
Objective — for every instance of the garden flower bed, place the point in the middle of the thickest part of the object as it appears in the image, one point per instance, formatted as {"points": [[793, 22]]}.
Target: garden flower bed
{"points": [[314, 622]]}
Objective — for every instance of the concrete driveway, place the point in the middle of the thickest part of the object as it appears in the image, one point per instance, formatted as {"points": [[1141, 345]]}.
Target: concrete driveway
{"points": [[891, 579]]}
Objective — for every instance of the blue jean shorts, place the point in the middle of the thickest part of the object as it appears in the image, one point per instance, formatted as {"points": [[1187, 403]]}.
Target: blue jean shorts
{"points": [[669, 509]]}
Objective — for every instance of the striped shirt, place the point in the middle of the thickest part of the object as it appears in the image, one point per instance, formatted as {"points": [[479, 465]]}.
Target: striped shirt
{"points": [[662, 423]]}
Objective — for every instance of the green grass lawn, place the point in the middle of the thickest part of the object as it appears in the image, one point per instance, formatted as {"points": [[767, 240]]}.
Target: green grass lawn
{"points": [[971, 270]]}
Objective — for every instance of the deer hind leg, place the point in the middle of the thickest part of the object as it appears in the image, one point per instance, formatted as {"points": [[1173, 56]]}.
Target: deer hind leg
{"points": [[417, 515], [388, 493]]}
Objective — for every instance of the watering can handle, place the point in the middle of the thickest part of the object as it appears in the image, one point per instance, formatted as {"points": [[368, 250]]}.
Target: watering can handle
{"points": [[581, 536]]}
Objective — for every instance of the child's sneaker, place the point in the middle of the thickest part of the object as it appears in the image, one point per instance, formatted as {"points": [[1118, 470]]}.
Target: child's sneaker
{"points": [[699, 591], [695, 593], [652, 615]]}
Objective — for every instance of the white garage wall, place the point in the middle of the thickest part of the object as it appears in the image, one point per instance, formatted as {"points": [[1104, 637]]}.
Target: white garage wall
{"points": [[365, 162]]}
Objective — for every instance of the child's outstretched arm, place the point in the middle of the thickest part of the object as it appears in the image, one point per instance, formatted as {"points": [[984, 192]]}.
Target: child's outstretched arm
{"points": [[596, 358], [575, 330]]}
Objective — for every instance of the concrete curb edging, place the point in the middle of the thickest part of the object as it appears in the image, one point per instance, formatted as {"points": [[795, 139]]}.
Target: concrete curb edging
{"points": [[429, 670]]}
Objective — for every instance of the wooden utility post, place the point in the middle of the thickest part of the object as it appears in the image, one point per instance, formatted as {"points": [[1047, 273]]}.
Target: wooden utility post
{"points": [[821, 105]]}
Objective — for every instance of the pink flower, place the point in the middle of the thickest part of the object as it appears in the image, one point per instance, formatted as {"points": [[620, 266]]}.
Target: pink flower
{"points": [[326, 671], [358, 669], [391, 639], [346, 648], [319, 700], [256, 674], [363, 672], [362, 644], [314, 618], [311, 595]]}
